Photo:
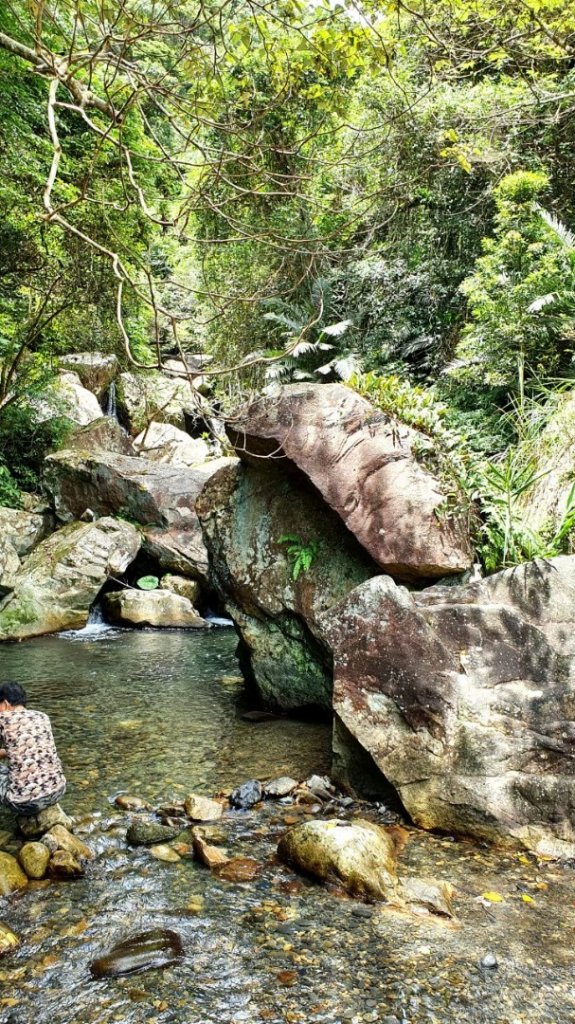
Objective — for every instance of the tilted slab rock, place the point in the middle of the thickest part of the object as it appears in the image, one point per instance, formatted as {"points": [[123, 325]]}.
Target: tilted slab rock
{"points": [[363, 464], [59, 581], [464, 698], [158, 608], [245, 511], [111, 484]]}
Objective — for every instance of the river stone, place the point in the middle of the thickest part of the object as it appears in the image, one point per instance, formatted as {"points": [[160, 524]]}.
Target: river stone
{"points": [[63, 864], [132, 803], [190, 589], [146, 833], [34, 858], [11, 875], [8, 940], [96, 370], [33, 826], [239, 869], [162, 442], [463, 697], [61, 579], [435, 897], [165, 853], [364, 465], [102, 435], [71, 844], [245, 511], [209, 855], [147, 395], [160, 609], [278, 788], [358, 854], [247, 795], [202, 808], [152, 949]]}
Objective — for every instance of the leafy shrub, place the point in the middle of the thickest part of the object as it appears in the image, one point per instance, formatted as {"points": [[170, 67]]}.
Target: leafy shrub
{"points": [[9, 490]]}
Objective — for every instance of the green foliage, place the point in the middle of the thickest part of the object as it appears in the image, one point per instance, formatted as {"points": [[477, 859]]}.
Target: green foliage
{"points": [[301, 553], [148, 583], [9, 491], [25, 442], [522, 292]]}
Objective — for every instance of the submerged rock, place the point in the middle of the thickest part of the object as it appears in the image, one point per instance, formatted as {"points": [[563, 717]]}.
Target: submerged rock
{"points": [[463, 697], [165, 853], [146, 833], [149, 950], [63, 864], [239, 869], [60, 580], [12, 877], [358, 854], [132, 803], [158, 608], [247, 795], [209, 855], [34, 859], [434, 897], [363, 463]]}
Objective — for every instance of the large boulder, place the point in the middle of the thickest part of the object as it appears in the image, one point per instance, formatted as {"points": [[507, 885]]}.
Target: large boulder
{"points": [[102, 435], [65, 396], [245, 512], [162, 442], [148, 395], [357, 854], [24, 530], [177, 551], [55, 587], [9, 565], [463, 697], [158, 608], [95, 369], [364, 464], [111, 484]]}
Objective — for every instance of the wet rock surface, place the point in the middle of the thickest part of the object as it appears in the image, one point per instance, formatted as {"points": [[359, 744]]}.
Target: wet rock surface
{"points": [[12, 876], [463, 697], [246, 795], [157, 608], [150, 950]]}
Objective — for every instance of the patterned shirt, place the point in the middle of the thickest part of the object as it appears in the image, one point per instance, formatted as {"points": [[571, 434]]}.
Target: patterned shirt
{"points": [[34, 767]]}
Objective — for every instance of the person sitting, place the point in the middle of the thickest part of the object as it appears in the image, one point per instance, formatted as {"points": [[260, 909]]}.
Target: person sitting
{"points": [[32, 779]]}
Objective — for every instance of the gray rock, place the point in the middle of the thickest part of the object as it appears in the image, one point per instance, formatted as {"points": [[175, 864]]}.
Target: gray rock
{"points": [[101, 435], [96, 370], [246, 795], [145, 395], [489, 961], [162, 442], [278, 788], [65, 396]]}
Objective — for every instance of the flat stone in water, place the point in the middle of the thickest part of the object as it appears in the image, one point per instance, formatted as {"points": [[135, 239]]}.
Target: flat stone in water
{"points": [[149, 950], [145, 833]]}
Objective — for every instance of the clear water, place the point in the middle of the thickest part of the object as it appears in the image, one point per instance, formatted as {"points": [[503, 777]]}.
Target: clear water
{"points": [[158, 714]]}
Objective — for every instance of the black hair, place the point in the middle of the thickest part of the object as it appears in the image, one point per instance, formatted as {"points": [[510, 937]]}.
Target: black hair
{"points": [[13, 693]]}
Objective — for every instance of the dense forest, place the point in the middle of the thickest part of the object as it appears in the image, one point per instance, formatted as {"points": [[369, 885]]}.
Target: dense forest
{"points": [[379, 193]]}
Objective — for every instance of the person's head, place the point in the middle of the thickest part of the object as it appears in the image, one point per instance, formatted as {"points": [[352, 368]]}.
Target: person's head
{"points": [[12, 695]]}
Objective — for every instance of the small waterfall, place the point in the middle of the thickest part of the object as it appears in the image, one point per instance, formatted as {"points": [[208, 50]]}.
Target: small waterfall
{"points": [[111, 406], [95, 625]]}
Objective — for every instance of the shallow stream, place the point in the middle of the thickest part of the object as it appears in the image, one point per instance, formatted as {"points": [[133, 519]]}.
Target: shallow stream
{"points": [[160, 715]]}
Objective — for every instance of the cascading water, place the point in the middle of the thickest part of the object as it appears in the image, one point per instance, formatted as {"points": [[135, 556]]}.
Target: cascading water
{"points": [[111, 404]]}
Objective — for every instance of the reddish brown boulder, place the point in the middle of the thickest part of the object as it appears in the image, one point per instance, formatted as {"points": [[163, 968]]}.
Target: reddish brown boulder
{"points": [[463, 698], [363, 464]]}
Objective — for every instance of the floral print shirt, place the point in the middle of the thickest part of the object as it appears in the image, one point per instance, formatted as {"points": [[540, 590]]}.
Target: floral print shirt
{"points": [[34, 767]]}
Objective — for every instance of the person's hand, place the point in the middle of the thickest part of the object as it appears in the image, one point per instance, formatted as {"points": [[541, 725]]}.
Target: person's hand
{"points": [[3, 753]]}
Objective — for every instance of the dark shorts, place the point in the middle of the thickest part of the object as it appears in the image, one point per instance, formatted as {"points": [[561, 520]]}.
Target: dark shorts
{"points": [[33, 806]]}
